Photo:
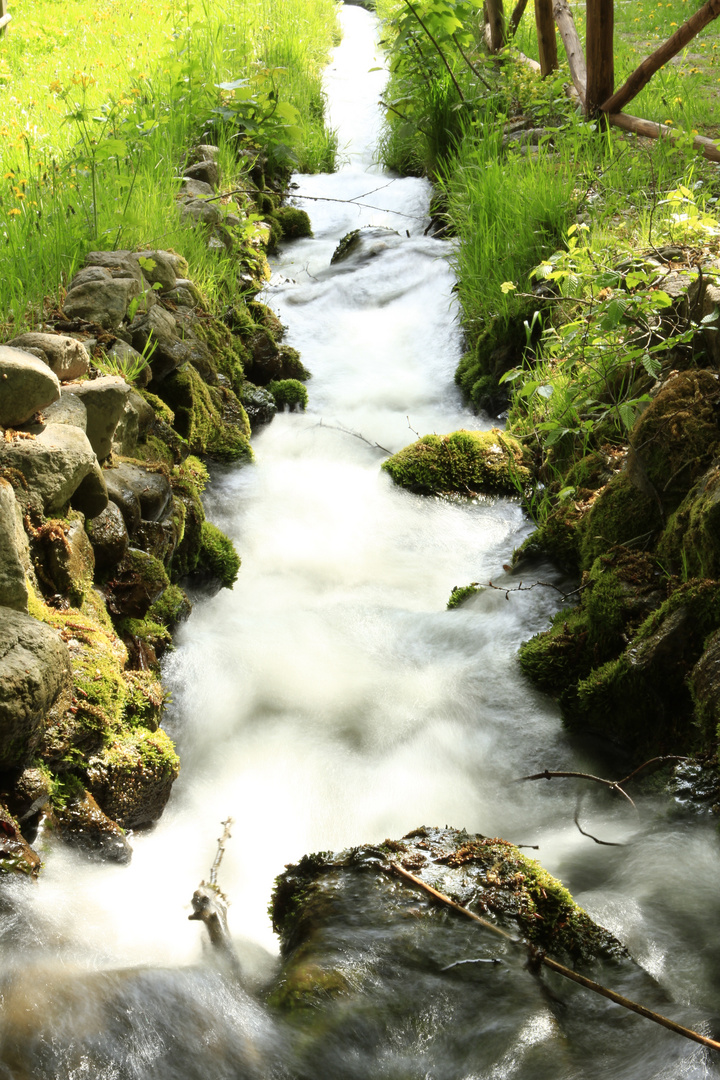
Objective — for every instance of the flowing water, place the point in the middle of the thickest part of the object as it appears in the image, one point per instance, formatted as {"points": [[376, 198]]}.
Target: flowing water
{"points": [[330, 700]]}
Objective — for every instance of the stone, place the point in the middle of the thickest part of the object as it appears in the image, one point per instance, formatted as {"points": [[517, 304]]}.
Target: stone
{"points": [[265, 363], [161, 538], [705, 687], [362, 245], [162, 273], [185, 293], [90, 273], [66, 356], [195, 188], [178, 263], [157, 334], [82, 825], [13, 552], [119, 264], [465, 462], [199, 212], [69, 409], [16, 855], [54, 462], [205, 171], [109, 537], [152, 489], [124, 497], [131, 364], [710, 332], [27, 385], [34, 670], [91, 495], [138, 581], [102, 302], [259, 404], [133, 782], [26, 796], [203, 152], [71, 564], [104, 400], [133, 425]]}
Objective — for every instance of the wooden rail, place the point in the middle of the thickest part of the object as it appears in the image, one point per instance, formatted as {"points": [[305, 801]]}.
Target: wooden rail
{"points": [[4, 17]]}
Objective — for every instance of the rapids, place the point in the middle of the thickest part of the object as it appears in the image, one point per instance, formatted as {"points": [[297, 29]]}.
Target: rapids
{"points": [[330, 700]]}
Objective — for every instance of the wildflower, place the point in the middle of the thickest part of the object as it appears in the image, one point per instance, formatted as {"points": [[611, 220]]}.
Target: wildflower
{"points": [[13, 212]]}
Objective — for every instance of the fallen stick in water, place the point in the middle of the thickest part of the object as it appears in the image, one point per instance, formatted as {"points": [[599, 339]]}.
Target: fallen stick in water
{"points": [[537, 957]]}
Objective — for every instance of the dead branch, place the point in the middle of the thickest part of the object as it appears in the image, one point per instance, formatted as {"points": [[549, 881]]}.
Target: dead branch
{"points": [[518, 12], [209, 906], [603, 843], [614, 785], [539, 958], [644, 72], [650, 130], [573, 48], [321, 198], [355, 435], [528, 588]]}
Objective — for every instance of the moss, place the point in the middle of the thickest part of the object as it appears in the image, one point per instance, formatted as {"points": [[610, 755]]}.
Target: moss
{"points": [[218, 558], [292, 365], [346, 246], [275, 235], [146, 700], [288, 392], [154, 451], [266, 318], [460, 594], [162, 411], [690, 543], [229, 354], [147, 631], [210, 418], [621, 514], [498, 348], [557, 537], [131, 778], [188, 480], [678, 435], [172, 608], [465, 462], [295, 223]]}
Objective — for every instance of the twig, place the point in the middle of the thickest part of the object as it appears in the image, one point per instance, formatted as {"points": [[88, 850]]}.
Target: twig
{"points": [[412, 428], [527, 588], [320, 198], [470, 64], [603, 843], [538, 957], [439, 51], [222, 841], [355, 435], [614, 785]]}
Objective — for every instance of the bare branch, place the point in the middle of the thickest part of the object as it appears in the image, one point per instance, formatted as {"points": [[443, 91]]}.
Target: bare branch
{"points": [[604, 843], [355, 435]]}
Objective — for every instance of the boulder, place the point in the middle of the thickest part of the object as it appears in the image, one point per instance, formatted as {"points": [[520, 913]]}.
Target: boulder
{"points": [[91, 495], [54, 462], [90, 273], [109, 537], [705, 688], [199, 212], [155, 335], [134, 424], [130, 363], [16, 855], [151, 488], [69, 409], [203, 152], [259, 404], [138, 581], [195, 188], [362, 245], [162, 273], [266, 362], [66, 356], [119, 264], [34, 669], [27, 384], [132, 780], [71, 564], [102, 302], [82, 825], [14, 556], [205, 171], [465, 462], [104, 400]]}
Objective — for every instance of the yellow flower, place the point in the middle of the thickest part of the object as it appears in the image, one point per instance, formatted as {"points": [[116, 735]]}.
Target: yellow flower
{"points": [[13, 213]]}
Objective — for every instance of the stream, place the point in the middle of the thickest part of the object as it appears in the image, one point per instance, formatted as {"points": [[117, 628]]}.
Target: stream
{"points": [[331, 700]]}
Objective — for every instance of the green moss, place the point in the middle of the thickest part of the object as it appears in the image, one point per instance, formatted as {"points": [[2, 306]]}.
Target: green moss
{"points": [[557, 538], [218, 558], [266, 318], [346, 246], [288, 392], [292, 365], [229, 354], [154, 451], [460, 594], [496, 350], [147, 568], [162, 411], [621, 514], [148, 631], [146, 700], [172, 608], [201, 413], [465, 462], [690, 543], [295, 223]]}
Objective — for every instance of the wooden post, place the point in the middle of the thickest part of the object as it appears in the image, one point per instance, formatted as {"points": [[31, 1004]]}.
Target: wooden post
{"points": [[495, 28], [650, 130], [573, 48], [600, 54], [547, 46], [643, 74], [518, 12], [4, 17]]}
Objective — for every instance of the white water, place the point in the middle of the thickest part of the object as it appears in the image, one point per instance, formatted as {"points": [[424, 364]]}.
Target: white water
{"points": [[330, 699]]}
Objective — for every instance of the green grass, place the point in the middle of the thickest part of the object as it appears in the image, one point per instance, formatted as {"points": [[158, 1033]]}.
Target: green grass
{"points": [[99, 109]]}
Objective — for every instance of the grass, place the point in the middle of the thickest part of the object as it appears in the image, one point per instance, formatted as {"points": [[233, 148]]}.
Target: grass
{"points": [[98, 111]]}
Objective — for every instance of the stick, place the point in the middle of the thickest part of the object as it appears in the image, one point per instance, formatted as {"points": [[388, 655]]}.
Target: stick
{"points": [[573, 48], [320, 198], [614, 785], [650, 130], [566, 972], [518, 12], [642, 75]]}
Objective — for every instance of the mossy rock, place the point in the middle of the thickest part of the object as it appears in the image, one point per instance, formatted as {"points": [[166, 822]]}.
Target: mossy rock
{"points": [[155, 451], [186, 554], [172, 608], [496, 350], [266, 318], [465, 462], [678, 435], [209, 418], [218, 559], [137, 582], [461, 594], [292, 366], [642, 699], [690, 543], [229, 354], [295, 223], [288, 392], [132, 778], [146, 640], [622, 514], [557, 538], [162, 410]]}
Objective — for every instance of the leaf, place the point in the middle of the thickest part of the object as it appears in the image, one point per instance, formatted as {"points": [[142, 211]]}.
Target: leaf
{"points": [[234, 85], [651, 364], [711, 318], [507, 286], [566, 493]]}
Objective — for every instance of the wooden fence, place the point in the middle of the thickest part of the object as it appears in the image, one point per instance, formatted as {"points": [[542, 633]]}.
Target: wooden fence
{"points": [[4, 17]]}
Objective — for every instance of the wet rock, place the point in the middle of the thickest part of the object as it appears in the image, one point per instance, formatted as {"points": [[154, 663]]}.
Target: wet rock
{"points": [[465, 462], [259, 404], [34, 670], [69, 409], [109, 537], [14, 556], [82, 825], [66, 356], [16, 855], [209, 418], [102, 302], [139, 580], [132, 781], [104, 400], [27, 384], [27, 795], [91, 495], [160, 538], [705, 688], [361, 245], [265, 359], [71, 564], [54, 462], [151, 488]]}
